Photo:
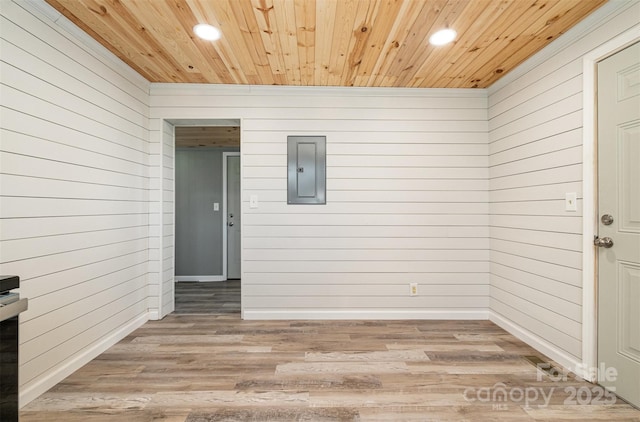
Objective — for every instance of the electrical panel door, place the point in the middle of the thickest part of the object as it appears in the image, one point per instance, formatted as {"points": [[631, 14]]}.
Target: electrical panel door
{"points": [[306, 169]]}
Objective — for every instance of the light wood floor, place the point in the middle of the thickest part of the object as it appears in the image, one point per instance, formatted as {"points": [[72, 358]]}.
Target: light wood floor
{"points": [[219, 297], [197, 368]]}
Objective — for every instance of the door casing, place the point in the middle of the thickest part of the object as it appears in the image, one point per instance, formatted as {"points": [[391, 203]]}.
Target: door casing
{"points": [[590, 199]]}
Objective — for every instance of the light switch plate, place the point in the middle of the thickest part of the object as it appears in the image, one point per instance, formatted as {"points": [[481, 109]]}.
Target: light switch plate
{"points": [[571, 201], [253, 201], [216, 206]]}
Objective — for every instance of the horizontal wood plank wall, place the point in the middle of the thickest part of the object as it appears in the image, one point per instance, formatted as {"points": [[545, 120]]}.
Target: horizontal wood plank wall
{"points": [[535, 123], [168, 218], [161, 205], [407, 199], [74, 189]]}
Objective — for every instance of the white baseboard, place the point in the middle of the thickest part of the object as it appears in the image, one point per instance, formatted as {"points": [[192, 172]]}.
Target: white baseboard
{"points": [[204, 278], [365, 315], [557, 355], [67, 367]]}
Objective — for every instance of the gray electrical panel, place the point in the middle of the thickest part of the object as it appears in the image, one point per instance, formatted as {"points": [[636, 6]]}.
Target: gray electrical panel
{"points": [[306, 169]]}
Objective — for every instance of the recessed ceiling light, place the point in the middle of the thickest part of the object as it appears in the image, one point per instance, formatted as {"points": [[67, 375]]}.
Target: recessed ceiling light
{"points": [[207, 32], [442, 37]]}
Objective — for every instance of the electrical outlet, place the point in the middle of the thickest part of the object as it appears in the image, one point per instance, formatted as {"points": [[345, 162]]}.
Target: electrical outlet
{"points": [[413, 289]]}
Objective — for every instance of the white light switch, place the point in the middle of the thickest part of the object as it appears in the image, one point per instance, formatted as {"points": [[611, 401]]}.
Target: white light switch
{"points": [[253, 201], [216, 206], [571, 201]]}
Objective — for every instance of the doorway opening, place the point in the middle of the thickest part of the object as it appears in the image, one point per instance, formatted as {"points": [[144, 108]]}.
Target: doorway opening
{"points": [[205, 197]]}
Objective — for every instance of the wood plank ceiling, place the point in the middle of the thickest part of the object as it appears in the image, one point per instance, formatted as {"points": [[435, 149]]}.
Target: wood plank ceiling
{"points": [[207, 136], [379, 43]]}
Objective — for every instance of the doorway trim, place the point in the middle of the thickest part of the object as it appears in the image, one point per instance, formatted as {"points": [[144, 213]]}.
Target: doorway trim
{"points": [[590, 198], [225, 246]]}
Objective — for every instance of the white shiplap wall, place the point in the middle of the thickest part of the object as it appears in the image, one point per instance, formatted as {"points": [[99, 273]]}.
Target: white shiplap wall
{"points": [[168, 219], [535, 123], [74, 183], [161, 224], [406, 199]]}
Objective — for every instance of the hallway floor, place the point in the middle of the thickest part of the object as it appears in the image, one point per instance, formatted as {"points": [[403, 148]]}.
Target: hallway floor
{"points": [[218, 297], [204, 368]]}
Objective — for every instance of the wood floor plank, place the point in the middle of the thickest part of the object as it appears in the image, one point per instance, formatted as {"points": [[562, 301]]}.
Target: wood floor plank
{"points": [[390, 356], [275, 415], [620, 412]]}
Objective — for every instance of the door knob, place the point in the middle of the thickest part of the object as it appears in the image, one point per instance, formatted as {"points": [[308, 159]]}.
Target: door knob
{"points": [[605, 242], [230, 223]]}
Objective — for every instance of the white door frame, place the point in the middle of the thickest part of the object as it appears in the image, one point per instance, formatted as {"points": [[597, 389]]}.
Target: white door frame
{"points": [[590, 198], [225, 252]]}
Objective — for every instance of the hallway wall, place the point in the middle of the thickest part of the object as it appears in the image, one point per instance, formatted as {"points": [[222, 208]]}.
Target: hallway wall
{"points": [[198, 227]]}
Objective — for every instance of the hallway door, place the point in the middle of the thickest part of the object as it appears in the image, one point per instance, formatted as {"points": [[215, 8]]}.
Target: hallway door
{"points": [[233, 216]]}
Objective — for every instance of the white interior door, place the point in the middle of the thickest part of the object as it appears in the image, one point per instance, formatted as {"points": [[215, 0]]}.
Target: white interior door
{"points": [[619, 225], [233, 217]]}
